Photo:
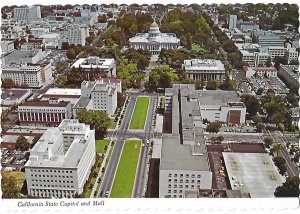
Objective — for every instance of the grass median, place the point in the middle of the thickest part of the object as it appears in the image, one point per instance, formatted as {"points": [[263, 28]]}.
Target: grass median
{"points": [[125, 176], [140, 113], [100, 146]]}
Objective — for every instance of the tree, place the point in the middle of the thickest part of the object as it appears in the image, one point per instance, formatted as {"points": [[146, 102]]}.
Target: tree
{"points": [[290, 188], [260, 91], [120, 99], [199, 84], [268, 142], [212, 84], [8, 83], [276, 149], [213, 127], [65, 46], [71, 54], [228, 84], [61, 66], [22, 143], [280, 163], [102, 19], [98, 120], [252, 104], [9, 187]]}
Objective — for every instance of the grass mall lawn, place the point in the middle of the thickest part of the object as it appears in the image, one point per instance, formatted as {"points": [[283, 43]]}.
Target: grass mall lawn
{"points": [[140, 113], [100, 144], [125, 176], [196, 47]]}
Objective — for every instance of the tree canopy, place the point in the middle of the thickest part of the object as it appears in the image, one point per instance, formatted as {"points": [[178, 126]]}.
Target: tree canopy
{"points": [[290, 188]]}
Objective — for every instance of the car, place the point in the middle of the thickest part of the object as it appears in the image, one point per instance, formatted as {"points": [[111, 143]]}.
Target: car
{"points": [[107, 194]]}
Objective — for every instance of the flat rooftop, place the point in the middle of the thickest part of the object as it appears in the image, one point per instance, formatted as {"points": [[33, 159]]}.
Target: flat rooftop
{"points": [[254, 173], [64, 92], [216, 97], [101, 63], [10, 94]]}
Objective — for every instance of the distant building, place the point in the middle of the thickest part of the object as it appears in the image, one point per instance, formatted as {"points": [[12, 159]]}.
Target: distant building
{"points": [[113, 81], [260, 71], [97, 96], [292, 54], [7, 46], [266, 39], [13, 96], [184, 164], [24, 56], [71, 95], [60, 162], [154, 40], [44, 113], [232, 21], [27, 13], [107, 65], [295, 115], [31, 75], [77, 35], [290, 74], [246, 26], [204, 69]]}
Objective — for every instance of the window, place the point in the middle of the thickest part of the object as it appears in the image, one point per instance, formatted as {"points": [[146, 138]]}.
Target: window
{"points": [[198, 181], [187, 176], [198, 176], [175, 186], [175, 191], [180, 186], [175, 180], [193, 175], [170, 175], [181, 181], [192, 181], [170, 180], [187, 181], [175, 175], [186, 186], [169, 186], [181, 175], [169, 191]]}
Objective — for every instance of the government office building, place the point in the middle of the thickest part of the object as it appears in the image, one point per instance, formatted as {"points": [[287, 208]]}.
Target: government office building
{"points": [[60, 162]]}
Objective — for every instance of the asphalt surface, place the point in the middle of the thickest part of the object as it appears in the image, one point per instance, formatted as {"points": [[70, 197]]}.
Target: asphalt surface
{"points": [[139, 185], [292, 169], [112, 166]]}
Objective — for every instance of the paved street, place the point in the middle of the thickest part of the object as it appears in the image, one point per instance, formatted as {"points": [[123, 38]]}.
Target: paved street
{"points": [[111, 169], [291, 166]]}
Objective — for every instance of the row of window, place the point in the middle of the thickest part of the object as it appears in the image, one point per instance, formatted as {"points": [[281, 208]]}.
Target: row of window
{"points": [[47, 170], [60, 181], [52, 176], [186, 175], [181, 186], [43, 185], [186, 181]]}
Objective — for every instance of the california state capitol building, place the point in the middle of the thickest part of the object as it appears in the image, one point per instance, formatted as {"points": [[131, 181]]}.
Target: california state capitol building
{"points": [[154, 40]]}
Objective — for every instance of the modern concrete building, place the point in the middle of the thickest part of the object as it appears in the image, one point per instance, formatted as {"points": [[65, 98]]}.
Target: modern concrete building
{"points": [[24, 56], [290, 74], [61, 161], [154, 40], [71, 95], [97, 95], [184, 161], [260, 71], [253, 173], [7, 46], [232, 21], [34, 76], [77, 35], [27, 13], [44, 113], [14, 96], [246, 26], [204, 69], [222, 106], [266, 39], [107, 65]]}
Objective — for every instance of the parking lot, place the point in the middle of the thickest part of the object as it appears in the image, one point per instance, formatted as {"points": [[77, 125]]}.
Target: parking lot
{"points": [[238, 128], [12, 160], [273, 83]]}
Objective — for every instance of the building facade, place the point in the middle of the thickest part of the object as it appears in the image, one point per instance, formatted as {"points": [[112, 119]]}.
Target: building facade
{"points": [[34, 76], [106, 65], [184, 164], [44, 113], [27, 13], [97, 95], [60, 162], [290, 74], [204, 69], [154, 40], [261, 72], [77, 35], [232, 21]]}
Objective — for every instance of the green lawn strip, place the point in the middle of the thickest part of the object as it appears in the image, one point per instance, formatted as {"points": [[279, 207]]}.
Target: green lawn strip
{"points": [[140, 113], [163, 102], [112, 124], [100, 144], [152, 64], [125, 176]]}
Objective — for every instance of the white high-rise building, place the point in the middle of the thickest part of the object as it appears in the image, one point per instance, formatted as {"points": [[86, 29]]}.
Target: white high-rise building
{"points": [[232, 21], [27, 13], [97, 95], [77, 35], [60, 162]]}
